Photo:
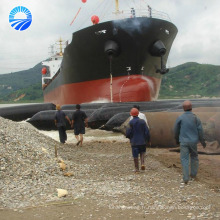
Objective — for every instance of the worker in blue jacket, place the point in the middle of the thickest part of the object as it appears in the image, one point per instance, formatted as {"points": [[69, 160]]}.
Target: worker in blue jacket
{"points": [[139, 136], [188, 132], [60, 122]]}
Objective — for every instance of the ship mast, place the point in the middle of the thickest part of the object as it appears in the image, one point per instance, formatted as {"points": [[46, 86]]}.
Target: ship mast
{"points": [[117, 12], [116, 7], [61, 49]]}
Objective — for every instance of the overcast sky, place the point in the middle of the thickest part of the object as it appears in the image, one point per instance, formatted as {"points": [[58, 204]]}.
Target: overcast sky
{"points": [[198, 37]]}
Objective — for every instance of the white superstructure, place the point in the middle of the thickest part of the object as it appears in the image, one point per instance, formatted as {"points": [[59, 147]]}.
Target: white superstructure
{"points": [[52, 65]]}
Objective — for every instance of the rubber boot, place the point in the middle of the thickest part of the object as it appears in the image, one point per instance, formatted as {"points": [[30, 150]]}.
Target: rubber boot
{"points": [[136, 164], [142, 156]]}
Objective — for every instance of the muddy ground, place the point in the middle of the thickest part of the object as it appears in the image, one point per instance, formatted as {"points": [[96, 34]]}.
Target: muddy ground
{"points": [[113, 191]]}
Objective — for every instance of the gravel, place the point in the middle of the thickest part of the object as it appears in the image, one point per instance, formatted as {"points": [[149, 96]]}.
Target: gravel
{"points": [[27, 165], [100, 171]]}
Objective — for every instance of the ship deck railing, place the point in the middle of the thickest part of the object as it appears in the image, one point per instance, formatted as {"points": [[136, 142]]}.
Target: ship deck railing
{"points": [[138, 13]]}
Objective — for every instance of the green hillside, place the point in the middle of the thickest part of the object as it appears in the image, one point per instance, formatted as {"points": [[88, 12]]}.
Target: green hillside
{"points": [[189, 80], [32, 93], [26, 82]]}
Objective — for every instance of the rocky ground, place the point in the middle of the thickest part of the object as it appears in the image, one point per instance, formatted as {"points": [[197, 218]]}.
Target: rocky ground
{"points": [[99, 179]]}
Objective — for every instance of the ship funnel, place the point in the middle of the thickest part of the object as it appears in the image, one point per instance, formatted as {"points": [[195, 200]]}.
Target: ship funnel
{"points": [[111, 48], [158, 49]]}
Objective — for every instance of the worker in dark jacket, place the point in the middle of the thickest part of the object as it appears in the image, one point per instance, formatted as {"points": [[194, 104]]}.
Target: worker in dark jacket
{"points": [[79, 121], [139, 136], [60, 122], [188, 132]]}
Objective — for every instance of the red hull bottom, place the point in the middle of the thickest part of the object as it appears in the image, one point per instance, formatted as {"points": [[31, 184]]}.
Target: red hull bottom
{"points": [[135, 88]]}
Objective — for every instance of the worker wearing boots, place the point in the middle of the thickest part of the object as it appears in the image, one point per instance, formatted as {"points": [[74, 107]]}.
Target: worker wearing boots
{"points": [[139, 136], [188, 132]]}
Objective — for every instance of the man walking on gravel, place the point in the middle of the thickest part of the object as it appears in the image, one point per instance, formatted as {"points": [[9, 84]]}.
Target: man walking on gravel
{"points": [[139, 136], [188, 132], [61, 123], [79, 121]]}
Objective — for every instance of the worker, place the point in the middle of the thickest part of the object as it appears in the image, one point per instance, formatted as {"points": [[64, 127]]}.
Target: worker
{"points": [[140, 115], [60, 123], [139, 136], [188, 132], [79, 121], [133, 13]]}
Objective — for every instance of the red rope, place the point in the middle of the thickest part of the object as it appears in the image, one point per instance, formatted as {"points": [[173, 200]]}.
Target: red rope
{"points": [[75, 16]]}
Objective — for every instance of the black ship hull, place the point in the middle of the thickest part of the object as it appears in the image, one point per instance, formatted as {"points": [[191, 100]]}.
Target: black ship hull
{"points": [[121, 48]]}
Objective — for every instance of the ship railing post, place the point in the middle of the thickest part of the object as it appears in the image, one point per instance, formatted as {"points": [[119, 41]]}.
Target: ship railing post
{"points": [[111, 86], [111, 95]]}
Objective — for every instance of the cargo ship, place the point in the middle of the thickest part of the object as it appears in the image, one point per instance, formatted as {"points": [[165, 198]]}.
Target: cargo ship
{"points": [[119, 60]]}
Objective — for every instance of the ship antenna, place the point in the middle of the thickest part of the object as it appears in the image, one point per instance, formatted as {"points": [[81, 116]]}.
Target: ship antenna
{"points": [[51, 50]]}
